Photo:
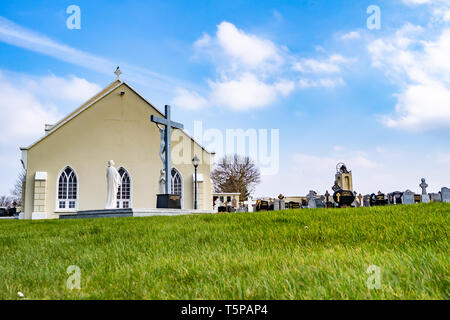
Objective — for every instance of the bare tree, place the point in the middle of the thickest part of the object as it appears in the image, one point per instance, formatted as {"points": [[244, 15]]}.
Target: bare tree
{"points": [[16, 192], [236, 174], [6, 201]]}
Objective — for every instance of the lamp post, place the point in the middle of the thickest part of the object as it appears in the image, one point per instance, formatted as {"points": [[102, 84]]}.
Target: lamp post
{"points": [[195, 162]]}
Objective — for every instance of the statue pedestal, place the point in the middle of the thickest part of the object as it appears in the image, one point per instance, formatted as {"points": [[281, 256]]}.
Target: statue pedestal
{"points": [[168, 201]]}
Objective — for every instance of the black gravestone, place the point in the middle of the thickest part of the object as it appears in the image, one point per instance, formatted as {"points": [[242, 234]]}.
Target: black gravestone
{"points": [[417, 198], [378, 199], [343, 197], [262, 205], [293, 205]]}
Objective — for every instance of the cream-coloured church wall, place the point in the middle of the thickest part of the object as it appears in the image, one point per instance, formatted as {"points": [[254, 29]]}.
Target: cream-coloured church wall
{"points": [[118, 128]]}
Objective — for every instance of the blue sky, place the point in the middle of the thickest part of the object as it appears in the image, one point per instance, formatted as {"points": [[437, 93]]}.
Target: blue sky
{"points": [[378, 100]]}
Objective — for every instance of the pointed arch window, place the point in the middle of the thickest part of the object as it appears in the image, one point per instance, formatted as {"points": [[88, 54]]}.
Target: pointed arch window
{"points": [[177, 182], [124, 191], [67, 190]]}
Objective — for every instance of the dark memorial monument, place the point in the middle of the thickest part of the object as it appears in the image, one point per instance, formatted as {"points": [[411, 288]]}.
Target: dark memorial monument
{"points": [[378, 199], [167, 200], [262, 205], [343, 186], [293, 205], [343, 197]]}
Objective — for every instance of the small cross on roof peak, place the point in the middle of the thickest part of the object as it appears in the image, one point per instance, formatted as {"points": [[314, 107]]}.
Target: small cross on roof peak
{"points": [[118, 73]]}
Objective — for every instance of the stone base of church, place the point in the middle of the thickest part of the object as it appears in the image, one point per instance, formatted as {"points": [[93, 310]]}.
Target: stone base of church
{"points": [[118, 213]]}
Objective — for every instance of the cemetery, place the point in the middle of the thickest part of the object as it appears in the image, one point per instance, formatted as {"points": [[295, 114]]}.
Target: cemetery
{"points": [[344, 197]]}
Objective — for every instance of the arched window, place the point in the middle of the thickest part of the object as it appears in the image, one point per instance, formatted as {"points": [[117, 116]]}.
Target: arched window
{"points": [[124, 191], [67, 190], [177, 183]]}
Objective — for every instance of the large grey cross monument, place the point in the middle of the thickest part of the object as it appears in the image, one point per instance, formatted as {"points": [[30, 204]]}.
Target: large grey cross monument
{"points": [[166, 200]]}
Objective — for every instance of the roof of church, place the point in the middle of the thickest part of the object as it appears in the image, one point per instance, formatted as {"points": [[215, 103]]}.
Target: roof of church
{"points": [[112, 86]]}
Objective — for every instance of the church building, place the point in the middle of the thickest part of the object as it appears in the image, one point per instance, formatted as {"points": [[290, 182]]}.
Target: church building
{"points": [[66, 168]]}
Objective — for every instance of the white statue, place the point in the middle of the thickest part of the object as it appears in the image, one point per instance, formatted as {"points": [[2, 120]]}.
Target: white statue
{"points": [[162, 182], [113, 180], [217, 204]]}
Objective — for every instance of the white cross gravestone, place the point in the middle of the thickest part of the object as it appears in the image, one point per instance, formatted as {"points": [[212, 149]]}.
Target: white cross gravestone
{"points": [[425, 198], [249, 203]]}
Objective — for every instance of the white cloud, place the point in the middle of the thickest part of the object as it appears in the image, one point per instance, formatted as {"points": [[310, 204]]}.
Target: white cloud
{"points": [[254, 72], [352, 35], [27, 103], [416, 2], [321, 83], [333, 64], [245, 49], [248, 92], [421, 68], [189, 99]]}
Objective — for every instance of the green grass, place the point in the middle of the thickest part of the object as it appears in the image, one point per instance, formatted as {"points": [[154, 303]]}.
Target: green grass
{"points": [[268, 255]]}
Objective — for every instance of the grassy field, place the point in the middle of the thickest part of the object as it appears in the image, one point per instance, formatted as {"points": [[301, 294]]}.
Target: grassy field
{"points": [[303, 254]]}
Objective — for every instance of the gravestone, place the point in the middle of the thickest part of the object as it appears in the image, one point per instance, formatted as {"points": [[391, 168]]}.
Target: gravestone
{"points": [[319, 203], [435, 197], [360, 200], [425, 198], [366, 200], [395, 197], [293, 205], [445, 194], [344, 198], [417, 198], [262, 205], [279, 204], [276, 204], [328, 203], [311, 199], [408, 197], [381, 199]]}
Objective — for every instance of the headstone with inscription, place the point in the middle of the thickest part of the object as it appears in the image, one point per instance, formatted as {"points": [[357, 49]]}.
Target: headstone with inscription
{"points": [[435, 197], [343, 198], [311, 199], [408, 197], [366, 200], [445, 194]]}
